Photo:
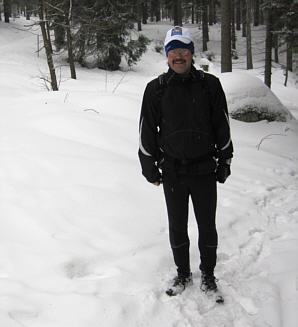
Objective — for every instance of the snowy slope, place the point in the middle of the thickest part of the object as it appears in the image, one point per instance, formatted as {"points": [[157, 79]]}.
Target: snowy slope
{"points": [[83, 237]]}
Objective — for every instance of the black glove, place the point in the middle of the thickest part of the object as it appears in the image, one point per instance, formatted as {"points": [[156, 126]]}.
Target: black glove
{"points": [[223, 171]]}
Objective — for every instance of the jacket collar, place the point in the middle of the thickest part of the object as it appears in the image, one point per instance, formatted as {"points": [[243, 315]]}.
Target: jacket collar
{"points": [[173, 77]]}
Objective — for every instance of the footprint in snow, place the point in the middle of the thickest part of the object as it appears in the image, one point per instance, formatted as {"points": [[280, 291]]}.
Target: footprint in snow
{"points": [[76, 268]]}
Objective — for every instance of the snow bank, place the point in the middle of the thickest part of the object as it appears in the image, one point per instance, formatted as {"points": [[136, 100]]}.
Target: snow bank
{"points": [[250, 100]]}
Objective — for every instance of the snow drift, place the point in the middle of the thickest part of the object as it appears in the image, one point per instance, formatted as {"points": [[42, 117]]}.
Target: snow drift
{"points": [[250, 100]]}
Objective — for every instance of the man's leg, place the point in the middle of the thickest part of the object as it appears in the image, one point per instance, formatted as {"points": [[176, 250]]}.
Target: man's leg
{"points": [[204, 198], [177, 198]]}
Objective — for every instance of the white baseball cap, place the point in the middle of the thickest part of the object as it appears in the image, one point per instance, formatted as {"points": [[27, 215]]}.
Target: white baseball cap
{"points": [[178, 33]]}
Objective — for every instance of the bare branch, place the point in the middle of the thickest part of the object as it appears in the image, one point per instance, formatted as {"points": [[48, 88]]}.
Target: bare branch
{"points": [[267, 137]]}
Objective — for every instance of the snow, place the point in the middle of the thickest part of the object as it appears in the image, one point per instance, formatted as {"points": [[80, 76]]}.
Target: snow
{"points": [[83, 237], [245, 91]]}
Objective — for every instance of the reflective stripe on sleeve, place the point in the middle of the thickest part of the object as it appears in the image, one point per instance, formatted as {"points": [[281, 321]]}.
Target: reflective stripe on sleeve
{"points": [[140, 141], [229, 141], [227, 145]]}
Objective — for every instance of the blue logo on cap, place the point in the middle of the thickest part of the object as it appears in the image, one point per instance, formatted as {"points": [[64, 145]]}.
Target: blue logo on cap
{"points": [[176, 31]]}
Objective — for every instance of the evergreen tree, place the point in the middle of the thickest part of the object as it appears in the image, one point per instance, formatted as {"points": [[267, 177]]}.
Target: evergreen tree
{"points": [[283, 21], [104, 33], [286, 27]]}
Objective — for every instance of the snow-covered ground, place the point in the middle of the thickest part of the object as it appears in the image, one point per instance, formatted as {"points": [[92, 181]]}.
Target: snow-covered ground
{"points": [[83, 236]]}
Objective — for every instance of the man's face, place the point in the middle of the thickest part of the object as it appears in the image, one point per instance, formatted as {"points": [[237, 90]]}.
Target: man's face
{"points": [[180, 60]]}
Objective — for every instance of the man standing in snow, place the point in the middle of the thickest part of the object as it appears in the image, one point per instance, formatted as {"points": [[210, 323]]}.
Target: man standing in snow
{"points": [[185, 134]]}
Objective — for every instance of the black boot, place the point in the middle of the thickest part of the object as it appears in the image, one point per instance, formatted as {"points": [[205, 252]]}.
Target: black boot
{"points": [[180, 282], [208, 282]]}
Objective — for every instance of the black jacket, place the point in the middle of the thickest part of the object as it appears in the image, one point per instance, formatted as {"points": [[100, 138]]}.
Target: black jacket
{"points": [[184, 120]]}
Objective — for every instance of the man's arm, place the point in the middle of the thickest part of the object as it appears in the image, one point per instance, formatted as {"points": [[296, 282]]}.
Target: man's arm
{"points": [[221, 124], [148, 135], [222, 131]]}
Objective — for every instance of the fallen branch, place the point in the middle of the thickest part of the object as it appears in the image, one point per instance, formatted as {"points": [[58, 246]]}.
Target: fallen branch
{"points": [[266, 138], [91, 110]]}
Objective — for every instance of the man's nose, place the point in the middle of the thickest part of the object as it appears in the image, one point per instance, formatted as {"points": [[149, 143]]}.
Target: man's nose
{"points": [[179, 55]]}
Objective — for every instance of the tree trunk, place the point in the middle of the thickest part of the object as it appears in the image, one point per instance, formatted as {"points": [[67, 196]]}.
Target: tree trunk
{"points": [[198, 12], [233, 31], [59, 31], [261, 13], [249, 64], [28, 8], [157, 10], [256, 12], [144, 12], [70, 53], [212, 19], [226, 59], [205, 25], [289, 56], [151, 11], [286, 77], [276, 47], [81, 43], [139, 15], [177, 13], [238, 15], [7, 10], [48, 29], [243, 12], [268, 46], [46, 42], [67, 14]]}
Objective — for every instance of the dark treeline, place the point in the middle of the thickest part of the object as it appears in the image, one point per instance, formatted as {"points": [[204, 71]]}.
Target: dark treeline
{"points": [[103, 29]]}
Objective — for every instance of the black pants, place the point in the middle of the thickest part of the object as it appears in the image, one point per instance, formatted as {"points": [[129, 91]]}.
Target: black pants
{"points": [[203, 193]]}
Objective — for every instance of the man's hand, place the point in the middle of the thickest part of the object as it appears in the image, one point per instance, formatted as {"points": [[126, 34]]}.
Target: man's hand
{"points": [[158, 183], [223, 171]]}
